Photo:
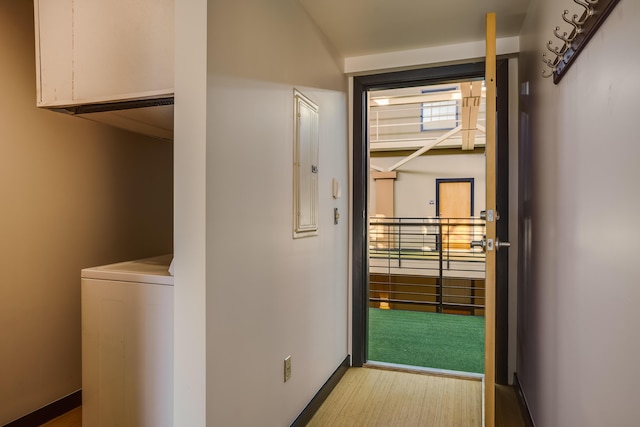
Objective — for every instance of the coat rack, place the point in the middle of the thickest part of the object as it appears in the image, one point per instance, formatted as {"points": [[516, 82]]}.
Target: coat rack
{"points": [[583, 27]]}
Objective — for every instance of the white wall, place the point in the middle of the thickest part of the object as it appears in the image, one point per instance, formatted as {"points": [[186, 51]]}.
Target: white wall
{"points": [[416, 58], [75, 194], [578, 340], [415, 185], [190, 148], [267, 295]]}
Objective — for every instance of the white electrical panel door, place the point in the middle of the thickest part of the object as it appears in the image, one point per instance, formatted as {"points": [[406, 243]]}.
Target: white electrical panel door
{"points": [[306, 168]]}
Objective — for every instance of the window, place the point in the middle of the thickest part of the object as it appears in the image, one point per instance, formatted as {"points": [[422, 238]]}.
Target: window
{"points": [[438, 115]]}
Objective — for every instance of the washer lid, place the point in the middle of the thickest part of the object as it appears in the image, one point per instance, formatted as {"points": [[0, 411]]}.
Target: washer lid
{"points": [[149, 270]]}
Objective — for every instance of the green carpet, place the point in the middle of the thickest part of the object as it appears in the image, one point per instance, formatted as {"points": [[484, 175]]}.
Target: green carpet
{"points": [[432, 340]]}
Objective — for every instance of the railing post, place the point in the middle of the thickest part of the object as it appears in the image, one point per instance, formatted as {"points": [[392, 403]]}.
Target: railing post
{"points": [[440, 275], [399, 242], [448, 243]]}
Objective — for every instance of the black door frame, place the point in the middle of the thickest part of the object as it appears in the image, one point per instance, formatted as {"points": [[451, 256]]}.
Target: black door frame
{"points": [[445, 180], [360, 261]]}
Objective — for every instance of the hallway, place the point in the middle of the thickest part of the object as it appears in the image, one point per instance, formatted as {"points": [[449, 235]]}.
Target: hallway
{"points": [[377, 397]]}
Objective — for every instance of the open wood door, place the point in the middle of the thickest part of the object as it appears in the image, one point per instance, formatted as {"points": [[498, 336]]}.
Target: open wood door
{"points": [[491, 244]]}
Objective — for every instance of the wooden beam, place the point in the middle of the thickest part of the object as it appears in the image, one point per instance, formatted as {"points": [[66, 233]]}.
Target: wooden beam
{"points": [[425, 148], [465, 90], [471, 98], [384, 175]]}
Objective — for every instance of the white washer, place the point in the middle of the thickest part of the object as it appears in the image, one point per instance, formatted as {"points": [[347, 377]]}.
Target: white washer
{"points": [[127, 344]]}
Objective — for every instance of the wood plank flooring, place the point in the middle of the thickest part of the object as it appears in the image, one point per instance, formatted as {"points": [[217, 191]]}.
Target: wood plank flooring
{"points": [[377, 397], [507, 408], [72, 418]]}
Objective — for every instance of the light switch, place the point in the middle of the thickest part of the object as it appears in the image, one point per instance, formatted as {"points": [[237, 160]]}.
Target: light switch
{"points": [[337, 191]]}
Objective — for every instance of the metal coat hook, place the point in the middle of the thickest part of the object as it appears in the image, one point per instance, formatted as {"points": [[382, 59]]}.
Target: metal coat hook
{"points": [[558, 51], [549, 62], [573, 41], [564, 37], [571, 22], [546, 76], [588, 10]]}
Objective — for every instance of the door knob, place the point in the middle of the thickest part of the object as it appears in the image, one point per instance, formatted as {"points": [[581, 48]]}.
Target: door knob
{"points": [[488, 244], [489, 215], [500, 244], [479, 244]]}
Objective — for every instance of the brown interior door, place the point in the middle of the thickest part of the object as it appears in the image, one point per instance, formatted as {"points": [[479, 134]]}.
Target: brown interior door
{"points": [[454, 205]]}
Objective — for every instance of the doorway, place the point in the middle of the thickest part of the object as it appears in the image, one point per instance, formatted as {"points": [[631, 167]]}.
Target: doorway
{"points": [[426, 284], [361, 223]]}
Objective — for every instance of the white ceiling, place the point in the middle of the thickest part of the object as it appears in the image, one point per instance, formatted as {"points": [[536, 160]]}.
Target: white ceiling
{"points": [[396, 119], [365, 27]]}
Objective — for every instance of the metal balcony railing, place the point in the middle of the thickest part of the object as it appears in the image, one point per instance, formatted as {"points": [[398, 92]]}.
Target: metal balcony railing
{"points": [[427, 264]]}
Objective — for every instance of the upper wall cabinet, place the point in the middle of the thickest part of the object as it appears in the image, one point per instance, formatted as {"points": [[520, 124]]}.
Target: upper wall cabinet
{"points": [[109, 54]]}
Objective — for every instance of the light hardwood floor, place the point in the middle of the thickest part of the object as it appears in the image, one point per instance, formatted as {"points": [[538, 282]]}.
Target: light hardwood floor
{"points": [[376, 397], [72, 418], [507, 408]]}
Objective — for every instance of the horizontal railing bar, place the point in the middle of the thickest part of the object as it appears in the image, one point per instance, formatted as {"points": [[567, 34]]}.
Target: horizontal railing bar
{"points": [[449, 304], [405, 301], [426, 294], [474, 261], [404, 293], [411, 285], [408, 285], [447, 278], [404, 251], [453, 304], [421, 276]]}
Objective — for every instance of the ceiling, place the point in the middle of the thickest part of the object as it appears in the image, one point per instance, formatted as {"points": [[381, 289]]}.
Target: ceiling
{"points": [[369, 27], [365, 27], [422, 118]]}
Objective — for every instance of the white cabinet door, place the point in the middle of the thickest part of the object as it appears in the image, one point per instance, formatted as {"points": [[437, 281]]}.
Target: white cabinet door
{"points": [[123, 49], [92, 51], [54, 52]]}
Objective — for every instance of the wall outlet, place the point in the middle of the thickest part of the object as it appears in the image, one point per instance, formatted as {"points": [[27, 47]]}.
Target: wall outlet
{"points": [[287, 368]]}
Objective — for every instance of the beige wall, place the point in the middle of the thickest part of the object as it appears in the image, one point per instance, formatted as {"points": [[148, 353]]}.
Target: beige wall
{"points": [[74, 194], [578, 340], [287, 296], [267, 295], [415, 186]]}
